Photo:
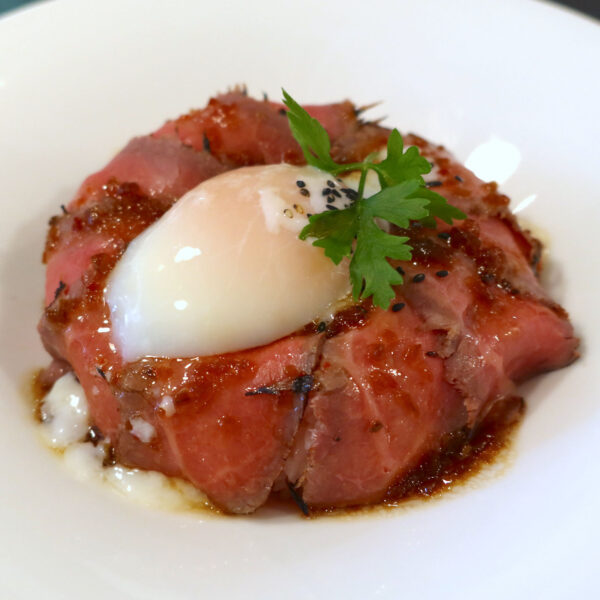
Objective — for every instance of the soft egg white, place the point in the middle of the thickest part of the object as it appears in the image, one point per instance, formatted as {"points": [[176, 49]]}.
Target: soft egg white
{"points": [[224, 269]]}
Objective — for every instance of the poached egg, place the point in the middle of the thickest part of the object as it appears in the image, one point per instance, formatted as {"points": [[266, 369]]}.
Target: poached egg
{"points": [[224, 269]]}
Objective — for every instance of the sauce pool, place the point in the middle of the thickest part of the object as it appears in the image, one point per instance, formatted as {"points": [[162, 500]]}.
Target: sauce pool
{"points": [[464, 456]]}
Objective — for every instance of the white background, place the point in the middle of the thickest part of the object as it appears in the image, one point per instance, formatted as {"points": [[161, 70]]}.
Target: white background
{"points": [[78, 79]]}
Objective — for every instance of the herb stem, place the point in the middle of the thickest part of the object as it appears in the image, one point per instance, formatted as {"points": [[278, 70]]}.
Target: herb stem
{"points": [[348, 167], [361, 183]]}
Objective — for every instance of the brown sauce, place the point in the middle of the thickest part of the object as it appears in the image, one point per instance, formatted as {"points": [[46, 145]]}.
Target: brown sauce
{"points": [[37, 387], [462, 457]]}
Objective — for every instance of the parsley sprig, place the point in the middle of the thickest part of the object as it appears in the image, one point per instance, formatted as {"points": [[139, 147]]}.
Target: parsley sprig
{"points": [[354, 231]]}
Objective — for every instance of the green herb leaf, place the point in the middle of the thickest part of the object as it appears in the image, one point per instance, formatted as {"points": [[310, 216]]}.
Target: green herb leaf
{"points": [[335, 231], [310, 134], [438, 207], [357, 231], [400, 166], [398, 204], [370, 272]]}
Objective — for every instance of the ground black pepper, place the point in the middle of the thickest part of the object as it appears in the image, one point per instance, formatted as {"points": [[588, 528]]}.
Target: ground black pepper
{"points": [[205, 143], [298, 499], [61, 286]]}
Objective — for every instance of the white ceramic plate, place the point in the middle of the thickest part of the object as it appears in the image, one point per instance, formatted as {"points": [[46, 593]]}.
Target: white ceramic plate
{"points": [[78, 79]]}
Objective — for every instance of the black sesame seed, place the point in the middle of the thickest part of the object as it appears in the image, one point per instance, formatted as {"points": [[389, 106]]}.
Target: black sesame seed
{"points": [[330, 183], [300, 183], [432, 353], [265, 97], [442, 273], [308, 215], [398, 306], [282, 111], [331, 207], [458, 178], [321, 327], [418, 278], [444, 235], [350, 193], [304, 192], [336, 193], [101, 373], [400, 270], [64, 209], [326, 191], [431, 184]]}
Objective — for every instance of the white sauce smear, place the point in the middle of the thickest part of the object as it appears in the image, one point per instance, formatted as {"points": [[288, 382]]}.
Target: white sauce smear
{"points": [[64, 427]]}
